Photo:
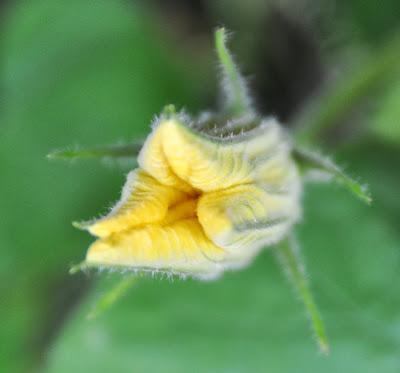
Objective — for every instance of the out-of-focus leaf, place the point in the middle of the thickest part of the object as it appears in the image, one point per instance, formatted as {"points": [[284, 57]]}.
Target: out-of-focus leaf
{"points": [[386, 122], [248, 320], [377, 163], [347, 93], [367, 20]]}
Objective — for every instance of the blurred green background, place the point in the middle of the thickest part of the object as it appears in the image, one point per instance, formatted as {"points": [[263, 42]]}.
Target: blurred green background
{"points": [[83, 72]]}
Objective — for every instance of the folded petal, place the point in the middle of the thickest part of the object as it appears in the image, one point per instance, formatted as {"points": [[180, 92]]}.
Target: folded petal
{"points": [[244, 218], [209, 164], [179, 247], [153, 160], [144, 200]]}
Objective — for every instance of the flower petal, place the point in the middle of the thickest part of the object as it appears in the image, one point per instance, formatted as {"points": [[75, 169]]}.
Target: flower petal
{"points": [[144, 200], [209, 164], [153, 160], [180, 247], [247, 217]]}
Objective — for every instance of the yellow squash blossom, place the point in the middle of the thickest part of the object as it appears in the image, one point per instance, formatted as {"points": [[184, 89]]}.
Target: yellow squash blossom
{"points": [[203, 199], [209, 194]]}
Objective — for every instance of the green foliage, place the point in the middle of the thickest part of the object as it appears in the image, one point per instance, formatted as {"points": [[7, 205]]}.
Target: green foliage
{"points": [[370, 20], [386, 122], [352, 90]]}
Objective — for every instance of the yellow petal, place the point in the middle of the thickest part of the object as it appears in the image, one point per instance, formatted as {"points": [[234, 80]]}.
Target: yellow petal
{"points": [[183, 210], [180, 247], [144, 200], [152, 159], [212, 164], [247, 217]]}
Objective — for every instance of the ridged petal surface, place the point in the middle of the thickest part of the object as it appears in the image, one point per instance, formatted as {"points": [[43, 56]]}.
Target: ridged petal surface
{"points": [[200, 204]]}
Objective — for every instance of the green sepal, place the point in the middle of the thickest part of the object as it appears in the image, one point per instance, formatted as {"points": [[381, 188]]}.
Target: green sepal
{"points": [[310, 161], [237, 102], [289, 257], [117, 152]]}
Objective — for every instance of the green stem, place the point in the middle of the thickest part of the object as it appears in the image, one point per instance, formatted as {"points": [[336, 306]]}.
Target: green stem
{"points": [[112, 296], [237, 98], [348, 92], [290, 259]]}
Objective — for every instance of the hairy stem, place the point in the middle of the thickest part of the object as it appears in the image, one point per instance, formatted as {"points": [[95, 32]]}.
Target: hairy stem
{"points": [[234, 87], [112, 296], [289, 257]]}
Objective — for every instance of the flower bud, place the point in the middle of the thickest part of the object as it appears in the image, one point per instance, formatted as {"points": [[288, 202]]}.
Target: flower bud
{"points": [[201, 202]]}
